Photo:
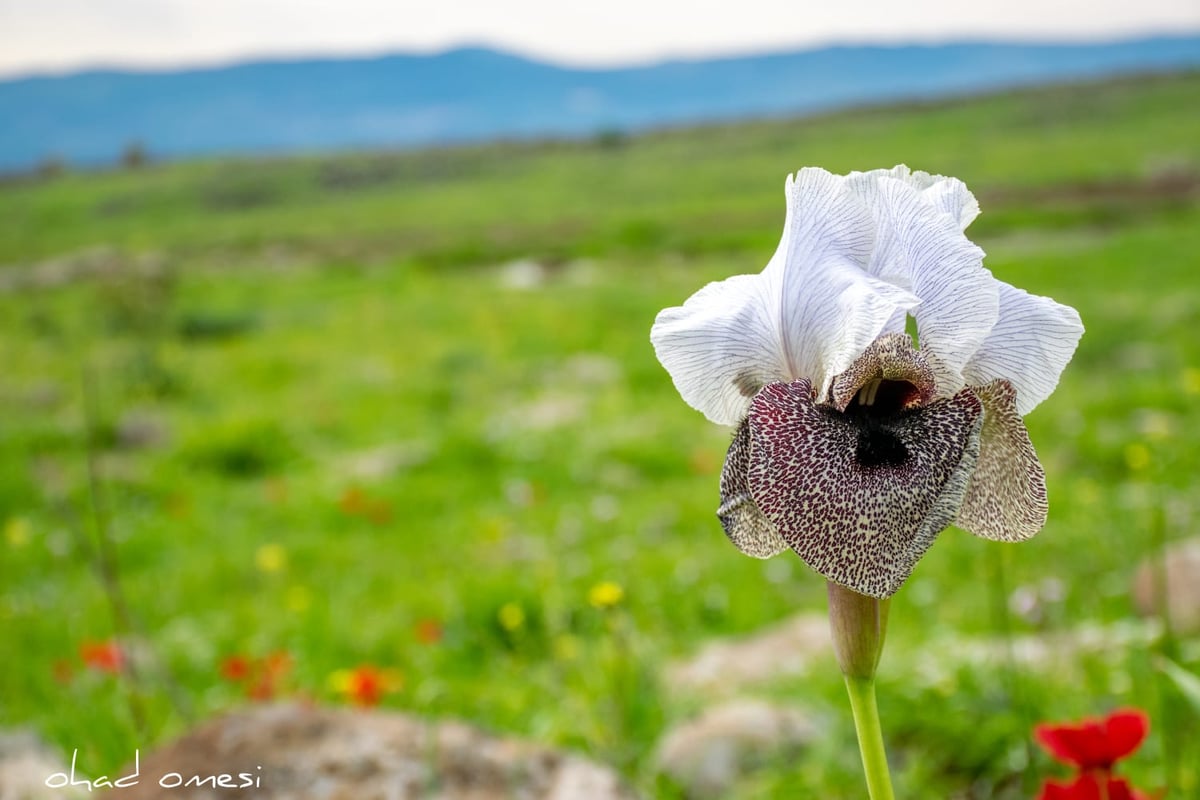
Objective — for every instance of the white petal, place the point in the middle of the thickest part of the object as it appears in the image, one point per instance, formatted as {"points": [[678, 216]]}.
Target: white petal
{"points": [[1029, 346], [948, 195], [952, 197], [809, 314], [721, 346], [831, 309], [921, 247]]}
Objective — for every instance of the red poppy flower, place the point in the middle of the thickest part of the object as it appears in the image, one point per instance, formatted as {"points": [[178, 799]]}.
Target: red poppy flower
{"points": [[1095, 744], [366, 685], [102, 656], [1089, 787], [262, 677], [235, 668]]}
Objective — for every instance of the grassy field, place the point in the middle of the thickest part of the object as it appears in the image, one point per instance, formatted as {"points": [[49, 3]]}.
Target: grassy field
{"points": [[310, 406]]}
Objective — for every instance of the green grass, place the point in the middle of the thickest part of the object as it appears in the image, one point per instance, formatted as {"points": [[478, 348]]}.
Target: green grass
{"points": [[329, 324]]}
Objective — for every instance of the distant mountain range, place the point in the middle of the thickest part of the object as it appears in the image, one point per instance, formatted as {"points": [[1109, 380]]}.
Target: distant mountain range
{"points": [[477, 94]]}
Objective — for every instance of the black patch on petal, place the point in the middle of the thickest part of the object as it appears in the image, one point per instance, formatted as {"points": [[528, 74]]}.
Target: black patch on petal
{"points": [[877, 412], [879, 447], [860, 496]]}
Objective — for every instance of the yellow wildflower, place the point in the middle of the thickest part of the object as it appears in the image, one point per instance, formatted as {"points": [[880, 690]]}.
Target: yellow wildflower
{"points": [[511, 616], [1137, 456], [271, 558], [16, 532], [605, 594]]}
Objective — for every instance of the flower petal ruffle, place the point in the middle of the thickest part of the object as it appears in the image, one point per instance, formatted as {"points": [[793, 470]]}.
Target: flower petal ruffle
{"points": [[1006, 498], [1029, 346], [921, 247], [859, 521], [721, 346], [810, 313], [891, 357]]}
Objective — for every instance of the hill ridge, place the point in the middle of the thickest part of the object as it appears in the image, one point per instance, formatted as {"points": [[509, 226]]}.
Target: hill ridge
{"points": [[477, 93]]}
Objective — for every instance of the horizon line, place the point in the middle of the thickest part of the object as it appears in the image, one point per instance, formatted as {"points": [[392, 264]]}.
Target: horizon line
{"points": [[219, 63]]}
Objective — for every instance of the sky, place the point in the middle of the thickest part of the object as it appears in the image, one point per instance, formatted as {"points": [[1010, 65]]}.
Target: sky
{"points": [[55, 36]]}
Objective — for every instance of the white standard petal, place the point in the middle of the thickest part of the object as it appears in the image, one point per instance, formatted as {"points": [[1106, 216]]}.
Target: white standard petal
{"points": [[830, 307], [1029, 346], [809, 314], [921, 247], [948, 195], [721, 346]]}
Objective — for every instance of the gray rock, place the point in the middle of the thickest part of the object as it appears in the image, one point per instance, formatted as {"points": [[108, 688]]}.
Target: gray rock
{"points": [[25, 764], [1179, 594], [298, 752], [786, 649], [706, 756]]}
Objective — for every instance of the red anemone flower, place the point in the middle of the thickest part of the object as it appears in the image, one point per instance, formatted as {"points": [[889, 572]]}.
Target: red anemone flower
{"points": [[235, 668], [366, 685], [1089, 787], [102, 656], [1094, 746], [260, 677]]}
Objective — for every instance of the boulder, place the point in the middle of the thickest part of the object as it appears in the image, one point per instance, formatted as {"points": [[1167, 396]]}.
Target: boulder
{"points": [[302, 752], [707, 755], [782, 650]]}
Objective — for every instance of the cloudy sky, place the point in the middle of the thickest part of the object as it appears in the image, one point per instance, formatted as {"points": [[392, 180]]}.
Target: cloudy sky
{"points": [[60, 35]]}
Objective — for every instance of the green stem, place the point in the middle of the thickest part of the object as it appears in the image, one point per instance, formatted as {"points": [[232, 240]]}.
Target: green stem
{"points": [[870, 737]]}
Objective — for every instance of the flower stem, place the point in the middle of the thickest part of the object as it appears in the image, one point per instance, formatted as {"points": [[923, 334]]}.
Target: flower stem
{"points": [[870, 737], [858, 625]]}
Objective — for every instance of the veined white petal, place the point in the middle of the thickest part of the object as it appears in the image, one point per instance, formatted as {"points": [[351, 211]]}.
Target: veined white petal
{"points": [[921, 247], [1029, 346], [830, 307], [810, 313], [721, 346], [948, 195]]}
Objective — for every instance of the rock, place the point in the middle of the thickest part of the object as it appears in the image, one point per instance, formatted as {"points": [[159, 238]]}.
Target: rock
{"points": [[524, 273], [25, 764], [786, 649], [1180, 565], [312, 753], [384, 461], [706, 756]]}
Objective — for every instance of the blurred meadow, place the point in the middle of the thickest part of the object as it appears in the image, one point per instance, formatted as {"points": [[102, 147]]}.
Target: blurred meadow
{"points": [[401, 410]]}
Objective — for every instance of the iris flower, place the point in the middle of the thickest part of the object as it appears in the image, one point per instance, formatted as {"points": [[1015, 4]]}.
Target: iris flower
{"points": [[854, 447]]}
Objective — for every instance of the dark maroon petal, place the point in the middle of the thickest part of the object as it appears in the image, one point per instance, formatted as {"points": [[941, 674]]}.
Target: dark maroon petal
{"points": [[860, 504], [893, 358], [744, 524], [1006, 498]]}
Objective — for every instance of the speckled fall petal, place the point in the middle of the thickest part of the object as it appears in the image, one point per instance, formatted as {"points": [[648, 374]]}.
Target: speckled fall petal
{"points": [[744, 523], [860, 502], [1006, 498]]}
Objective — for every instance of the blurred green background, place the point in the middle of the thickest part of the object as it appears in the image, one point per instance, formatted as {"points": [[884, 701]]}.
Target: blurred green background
{"points": [[401, 410]]}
